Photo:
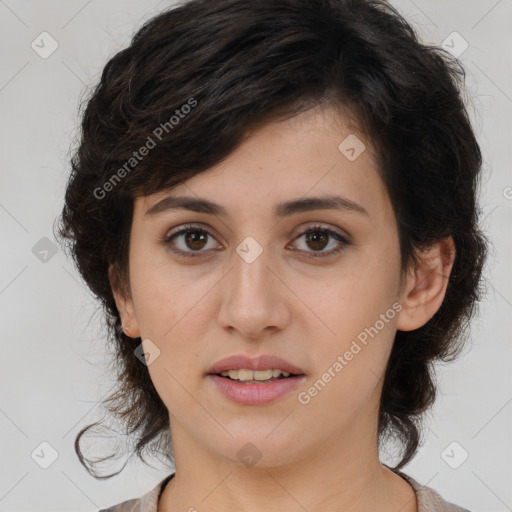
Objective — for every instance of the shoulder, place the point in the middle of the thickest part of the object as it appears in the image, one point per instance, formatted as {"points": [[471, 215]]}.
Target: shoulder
{"points": [[146, 503], [429, 500]]}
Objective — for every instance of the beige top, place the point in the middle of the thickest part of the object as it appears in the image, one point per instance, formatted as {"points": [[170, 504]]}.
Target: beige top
{"points": [[428, 499]]}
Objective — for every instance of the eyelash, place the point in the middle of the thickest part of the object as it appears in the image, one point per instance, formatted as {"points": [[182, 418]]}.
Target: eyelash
{"points": [[313, 229]]}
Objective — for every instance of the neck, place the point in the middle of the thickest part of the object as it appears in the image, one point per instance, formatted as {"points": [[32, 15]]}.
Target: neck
{"points": [[341, 474]]}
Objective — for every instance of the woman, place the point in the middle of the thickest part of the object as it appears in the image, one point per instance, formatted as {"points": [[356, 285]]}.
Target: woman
{"points": [[275, 202]]}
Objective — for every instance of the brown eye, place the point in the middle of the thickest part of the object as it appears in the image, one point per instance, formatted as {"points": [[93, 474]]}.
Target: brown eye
{"points": [[191, 241], [195, 239], [317, 238]]}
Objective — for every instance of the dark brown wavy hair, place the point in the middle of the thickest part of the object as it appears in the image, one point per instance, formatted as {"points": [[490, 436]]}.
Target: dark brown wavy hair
{"points": [[190, 87]]}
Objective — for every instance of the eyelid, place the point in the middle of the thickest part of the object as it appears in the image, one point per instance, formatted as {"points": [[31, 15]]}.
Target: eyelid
{"points": [[295, 233], [343, 239], [188, 226], [301, 230]]}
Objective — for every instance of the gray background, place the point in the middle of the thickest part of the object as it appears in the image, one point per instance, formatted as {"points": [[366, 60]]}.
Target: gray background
{"points": [[52, 368]]}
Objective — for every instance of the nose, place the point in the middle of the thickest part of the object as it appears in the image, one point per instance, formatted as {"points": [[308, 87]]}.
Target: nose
{"points": [[254, 299]]}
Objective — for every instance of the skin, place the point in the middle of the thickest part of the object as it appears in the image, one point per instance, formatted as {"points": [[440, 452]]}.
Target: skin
{"points": [[320, 456]]}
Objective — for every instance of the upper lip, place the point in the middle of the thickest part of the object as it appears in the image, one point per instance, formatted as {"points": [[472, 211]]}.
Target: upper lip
{"points": [[262, 362]]}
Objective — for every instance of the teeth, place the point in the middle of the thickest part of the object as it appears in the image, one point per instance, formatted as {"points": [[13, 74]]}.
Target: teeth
{"points": [[258, 375]]}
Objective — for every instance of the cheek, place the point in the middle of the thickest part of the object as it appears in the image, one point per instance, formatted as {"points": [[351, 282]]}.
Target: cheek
{"points": [[349, 375], [352, 358], [356, 297], [170, 306], [375, 280], [159, 292]]}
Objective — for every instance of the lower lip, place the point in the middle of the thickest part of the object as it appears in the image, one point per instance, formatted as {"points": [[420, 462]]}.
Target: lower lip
{"points": [[256, 394]]}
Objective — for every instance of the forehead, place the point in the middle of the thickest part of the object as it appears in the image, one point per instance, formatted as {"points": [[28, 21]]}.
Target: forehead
{"points": [[314, 155]]}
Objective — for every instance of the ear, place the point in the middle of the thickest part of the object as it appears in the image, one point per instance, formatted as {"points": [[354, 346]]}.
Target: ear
{"points": [[425, 286], [124, 304]]}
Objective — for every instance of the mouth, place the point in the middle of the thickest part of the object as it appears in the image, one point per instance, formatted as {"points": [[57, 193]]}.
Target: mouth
{"points": [[262, 368], [247, 376], [256, 392], [255, 381]]}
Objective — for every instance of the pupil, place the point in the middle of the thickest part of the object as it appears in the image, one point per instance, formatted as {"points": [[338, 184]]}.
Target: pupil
{"points": [[314, 238], [191, 238]]}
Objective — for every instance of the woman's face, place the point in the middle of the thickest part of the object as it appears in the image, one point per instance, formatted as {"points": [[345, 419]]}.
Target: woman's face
{"points": [[247, 282]]}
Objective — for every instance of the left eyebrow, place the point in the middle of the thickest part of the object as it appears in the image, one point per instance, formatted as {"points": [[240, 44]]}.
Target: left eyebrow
{"points": [[285, 209]]}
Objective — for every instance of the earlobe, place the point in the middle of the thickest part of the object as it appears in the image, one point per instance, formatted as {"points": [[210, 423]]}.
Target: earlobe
{"points": [[425, 286], [124, 305]]}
